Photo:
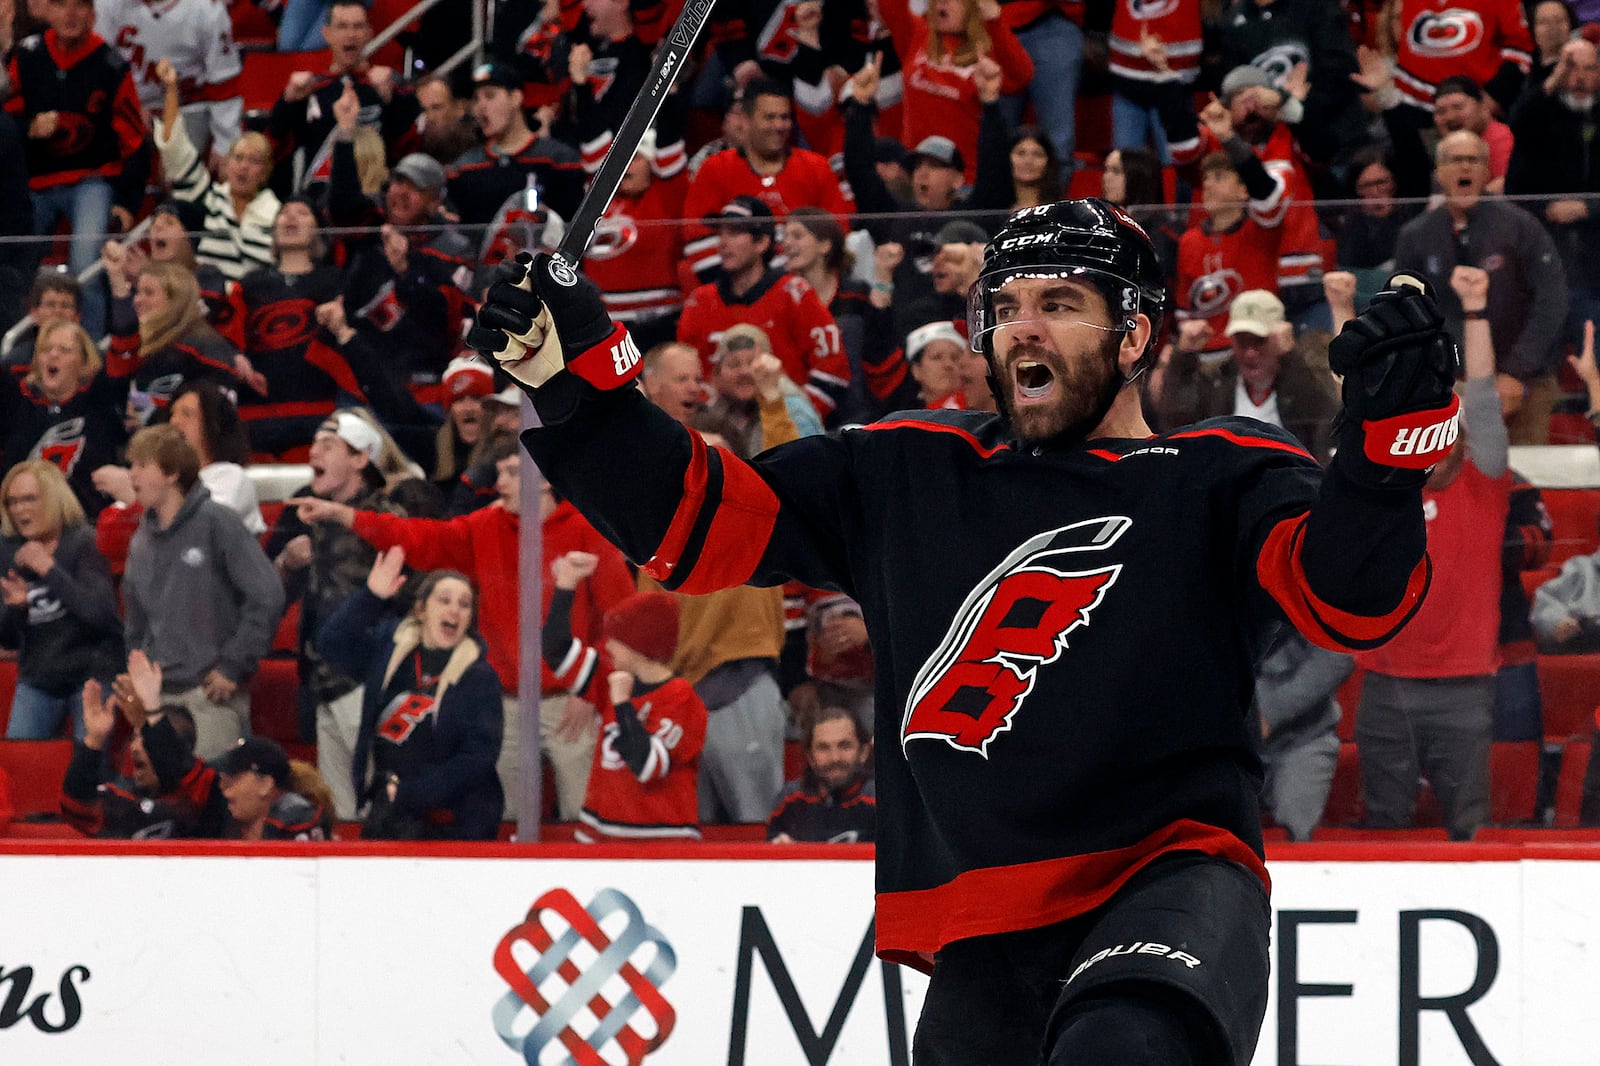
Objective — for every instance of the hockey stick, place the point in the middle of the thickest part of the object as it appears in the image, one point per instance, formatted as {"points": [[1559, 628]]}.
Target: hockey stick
{"points": [[667, 62]]}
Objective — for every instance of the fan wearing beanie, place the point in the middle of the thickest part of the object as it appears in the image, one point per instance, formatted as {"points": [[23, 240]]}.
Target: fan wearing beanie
{"points": [[643, 783]]}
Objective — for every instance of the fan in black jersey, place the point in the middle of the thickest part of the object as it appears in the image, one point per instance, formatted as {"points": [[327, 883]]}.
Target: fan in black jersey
{"points": [[1069, 840]]}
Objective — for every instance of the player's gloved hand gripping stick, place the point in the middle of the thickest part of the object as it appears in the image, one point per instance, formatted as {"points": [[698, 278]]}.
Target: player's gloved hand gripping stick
{"points": [[1400, 413], [540, 316]]}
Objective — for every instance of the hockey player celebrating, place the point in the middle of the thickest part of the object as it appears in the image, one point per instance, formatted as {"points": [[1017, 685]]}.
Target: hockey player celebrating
{"points": [[1069, 841]]}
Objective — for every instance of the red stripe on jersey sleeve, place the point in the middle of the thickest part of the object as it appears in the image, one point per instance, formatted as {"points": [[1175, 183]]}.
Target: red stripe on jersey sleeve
{"points": [[912, 925], [667, 555], [1281, 574], [740, 529]]}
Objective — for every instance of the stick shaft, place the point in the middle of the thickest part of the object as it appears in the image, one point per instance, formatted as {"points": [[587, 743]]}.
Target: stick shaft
{"points": [[669, 59]]}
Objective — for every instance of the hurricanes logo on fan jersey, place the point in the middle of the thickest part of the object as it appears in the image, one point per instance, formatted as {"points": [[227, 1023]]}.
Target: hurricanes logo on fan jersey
{"points": [[613, 235], [1210, 294], [1280, 59], [1016, 620], [779, 39], [1452, 32], [61, 445]]}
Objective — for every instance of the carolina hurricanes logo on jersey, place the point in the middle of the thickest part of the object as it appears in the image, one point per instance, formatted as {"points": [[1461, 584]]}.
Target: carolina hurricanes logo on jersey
{"points": [[73, 133], [61, 445], [1015, 621], [280, 325], [1211, 293], [778, 40], [602, 76], [1452, 32], [403, 715], [1280, 59], [1151, 9], [613, 235]]}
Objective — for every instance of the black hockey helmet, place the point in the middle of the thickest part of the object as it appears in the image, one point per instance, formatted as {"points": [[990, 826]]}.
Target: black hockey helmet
{"points": [[1090, 239]]}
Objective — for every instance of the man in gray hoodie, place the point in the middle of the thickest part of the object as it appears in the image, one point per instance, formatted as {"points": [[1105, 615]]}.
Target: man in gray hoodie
{"points": [[200, 596]]}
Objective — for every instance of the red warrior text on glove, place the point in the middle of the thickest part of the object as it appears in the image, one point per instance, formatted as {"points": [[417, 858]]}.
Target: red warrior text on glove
{"points": [[1415, 440], [612, 363]]}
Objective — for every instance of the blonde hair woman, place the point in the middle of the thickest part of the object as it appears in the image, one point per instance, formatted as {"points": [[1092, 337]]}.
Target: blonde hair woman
{"points": [[57, 606], [64, 410], [174, 344]]}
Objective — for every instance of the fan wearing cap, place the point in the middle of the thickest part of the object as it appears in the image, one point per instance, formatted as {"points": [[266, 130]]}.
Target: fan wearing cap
{"points": [[302, 120], [199, 596], [257, 783], [768, 168], [1251, 116], [936, 352], [321, 564], [431, 718], [643, 784], [1268, 375], [406, 286], [1065, 610], [802, 333], [512, 157]]}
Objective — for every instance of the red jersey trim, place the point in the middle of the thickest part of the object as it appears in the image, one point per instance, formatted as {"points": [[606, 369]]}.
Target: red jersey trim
{"points": [[665, 560], [1242, 441], [740, 529], [1001, 899], [936, 427], [1281, 574]]}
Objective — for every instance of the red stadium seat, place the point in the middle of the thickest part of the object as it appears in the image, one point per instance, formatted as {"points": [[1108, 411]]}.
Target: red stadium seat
{"points": [[1513, 781], [1575, 516], [1569, 686], [252, 27], [1532, 579], [1569, 783], [266, 73], [8, 691], [274, 701], [1571, 427], [35, 768]]}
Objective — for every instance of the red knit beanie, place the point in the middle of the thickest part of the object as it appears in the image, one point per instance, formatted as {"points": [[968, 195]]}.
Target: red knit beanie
{"points": [[646, 622]]}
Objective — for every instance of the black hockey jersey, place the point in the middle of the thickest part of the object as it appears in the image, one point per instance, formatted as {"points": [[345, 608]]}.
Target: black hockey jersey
{"points": [[78, 436], [278, 312], [1031, 755]]}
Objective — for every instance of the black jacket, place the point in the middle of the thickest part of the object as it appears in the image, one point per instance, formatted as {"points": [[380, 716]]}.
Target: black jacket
{"points": [[69, 632]]}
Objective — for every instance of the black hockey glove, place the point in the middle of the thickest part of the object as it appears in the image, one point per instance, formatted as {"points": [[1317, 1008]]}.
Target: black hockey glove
{"points": [[540, 316], [1400, 415]]}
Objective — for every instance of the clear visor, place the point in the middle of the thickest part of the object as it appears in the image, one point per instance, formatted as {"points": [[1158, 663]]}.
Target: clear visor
{"points": [[1053, 293]]}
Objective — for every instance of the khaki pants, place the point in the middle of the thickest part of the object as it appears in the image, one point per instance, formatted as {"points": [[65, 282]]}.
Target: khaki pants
{"points": [[569, 759], [338, 723], [1531, 423], [217, 726]]}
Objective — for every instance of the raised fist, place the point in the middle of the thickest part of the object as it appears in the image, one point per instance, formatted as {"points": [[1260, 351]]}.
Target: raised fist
{"points": [[1399, 368], [1471, 286], [571, 568], [299, 86], [540, 316]]}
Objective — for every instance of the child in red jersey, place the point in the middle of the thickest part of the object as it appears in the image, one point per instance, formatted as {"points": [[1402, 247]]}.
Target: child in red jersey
{"points": [[644, 782]]}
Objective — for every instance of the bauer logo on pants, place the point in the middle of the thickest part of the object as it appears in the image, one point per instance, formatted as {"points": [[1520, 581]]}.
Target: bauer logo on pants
{"points": [[1015, 621], [553, 999]]}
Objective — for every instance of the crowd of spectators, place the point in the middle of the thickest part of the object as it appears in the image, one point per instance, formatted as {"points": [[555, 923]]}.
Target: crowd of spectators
{"points": [[188, 287]]}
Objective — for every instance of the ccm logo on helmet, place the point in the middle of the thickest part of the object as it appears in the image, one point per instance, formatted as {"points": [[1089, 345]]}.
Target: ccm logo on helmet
{"points": [[1025, 240]]}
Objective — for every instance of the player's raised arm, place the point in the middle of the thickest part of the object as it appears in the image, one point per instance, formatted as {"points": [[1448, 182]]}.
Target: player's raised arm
{"points": [[694, 517], [1351, 571]]}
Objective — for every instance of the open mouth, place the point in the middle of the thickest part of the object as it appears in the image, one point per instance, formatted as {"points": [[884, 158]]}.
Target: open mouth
{"points": [[1034, 380]]}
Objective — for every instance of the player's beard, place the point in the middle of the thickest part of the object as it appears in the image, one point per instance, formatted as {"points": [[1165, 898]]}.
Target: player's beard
{"points": [[1086, 386]]}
